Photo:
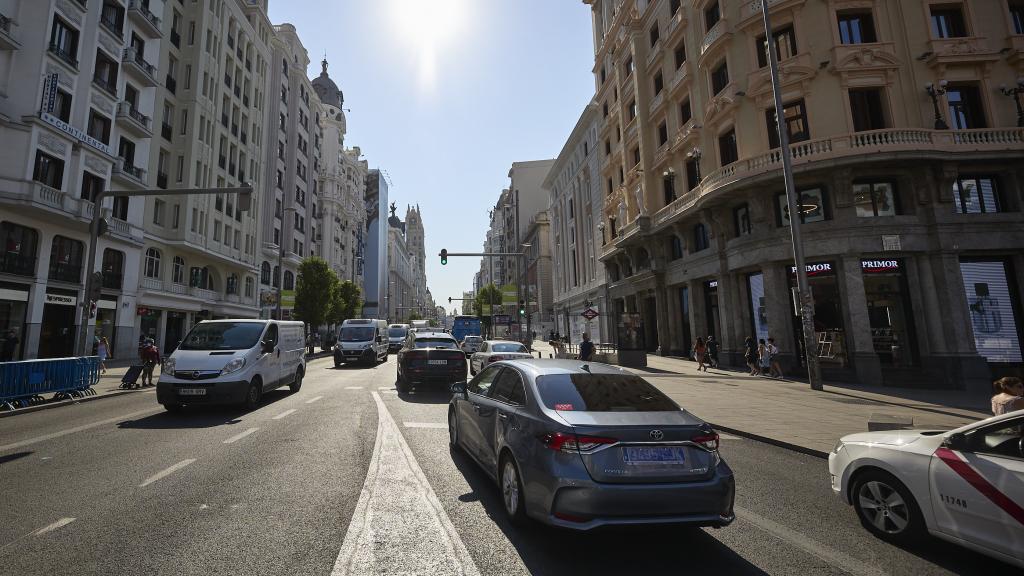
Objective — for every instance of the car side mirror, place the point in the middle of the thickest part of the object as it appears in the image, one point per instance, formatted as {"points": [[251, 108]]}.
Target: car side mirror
{"points": [[267, 347], [459, 388], [957, 441]]}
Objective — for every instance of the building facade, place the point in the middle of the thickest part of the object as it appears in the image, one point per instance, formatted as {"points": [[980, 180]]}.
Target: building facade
{"points": [[375, 265], [577, 208], [906, 153], [538, 292]]}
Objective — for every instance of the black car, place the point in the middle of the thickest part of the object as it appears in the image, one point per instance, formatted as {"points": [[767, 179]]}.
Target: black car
{"points": [[429, 357]]}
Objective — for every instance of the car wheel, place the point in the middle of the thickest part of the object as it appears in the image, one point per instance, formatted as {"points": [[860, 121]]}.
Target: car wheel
{"points": [[401, 384], [173, 408], [297, 384], [453, 428], [512, 495], [886, 507], [252, 398]]}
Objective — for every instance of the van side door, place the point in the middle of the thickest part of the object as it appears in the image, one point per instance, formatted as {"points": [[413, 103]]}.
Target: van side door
{"points": [[271, 360]]}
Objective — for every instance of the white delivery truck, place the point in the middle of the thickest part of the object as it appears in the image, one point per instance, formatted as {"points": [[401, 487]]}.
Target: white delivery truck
{"points": [[361, 340]]}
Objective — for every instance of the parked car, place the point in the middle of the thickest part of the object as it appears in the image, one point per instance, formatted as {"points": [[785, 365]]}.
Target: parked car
{"points": [[396, 336], [429, 358], [583, 446], [471, 344], [495, 351], [232, 362], [964, 486], [361, 340]]}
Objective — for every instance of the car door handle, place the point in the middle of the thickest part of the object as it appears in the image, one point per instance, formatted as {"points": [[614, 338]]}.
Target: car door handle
{"points": [[502, 415], [476, 408]]}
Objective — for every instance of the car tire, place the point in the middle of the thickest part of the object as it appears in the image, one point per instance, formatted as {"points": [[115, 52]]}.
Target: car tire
{"points": [[254, 394], [886, 507], [511, 486], [453, 429], [173, 408], [337, 363], [401, 384], [296, 385]]}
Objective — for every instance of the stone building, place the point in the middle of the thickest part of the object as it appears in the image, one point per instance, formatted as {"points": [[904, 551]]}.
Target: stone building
{"points": [[907, 160]]}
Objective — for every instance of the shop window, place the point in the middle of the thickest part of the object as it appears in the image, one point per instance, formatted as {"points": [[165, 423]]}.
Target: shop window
{"points": [[712, 14], [151, 267], [1017, 17], [856, 27], [727, 151], [48, 170], [700, 238], [719, 78], [875, 199], [987, 285], [948, 21], [676, 247], [889, 312], [813, 207], [784, 43], [965, 109], [976, 195], [794, 119], [289, 280], [178, 270], [759, 307], [741, 217], [66, 256], [113, 269], [867, 109]]}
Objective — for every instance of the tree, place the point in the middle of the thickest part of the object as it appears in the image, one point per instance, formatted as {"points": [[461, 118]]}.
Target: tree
{"points": [[346, 302], [415, 316], [489, 295], [315, 285]]}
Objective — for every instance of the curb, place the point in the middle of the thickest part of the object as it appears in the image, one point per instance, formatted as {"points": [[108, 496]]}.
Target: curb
{"points": [[773, 441], [48, 405]]}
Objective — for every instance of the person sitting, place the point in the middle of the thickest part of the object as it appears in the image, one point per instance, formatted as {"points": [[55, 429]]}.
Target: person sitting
{"points": [[1009, 395]]}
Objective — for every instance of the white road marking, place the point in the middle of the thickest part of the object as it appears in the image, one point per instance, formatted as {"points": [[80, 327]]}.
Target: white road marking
{"points": [[285, 413], [441, 425], [834, 557], [398, 515], [728, 437], [58, 524], [311, 400], [240, 435], [166, 472], [75, 430], [353, 387], [385, 387]]}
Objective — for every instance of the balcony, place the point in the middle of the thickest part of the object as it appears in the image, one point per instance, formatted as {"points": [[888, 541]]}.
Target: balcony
{"points": [[943, 52], [679, 79], [719, 32], [127, 171], [134, 121], [62, 272], [17, 264], [166, 131], [171, 84], [144, 20], [203, 294], [7, 39]]}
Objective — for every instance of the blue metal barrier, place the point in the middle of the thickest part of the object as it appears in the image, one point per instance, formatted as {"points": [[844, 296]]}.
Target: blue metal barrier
{"points": [[24, 383]]}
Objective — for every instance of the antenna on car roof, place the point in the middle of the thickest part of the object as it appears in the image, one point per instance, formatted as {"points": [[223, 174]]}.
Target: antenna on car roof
{"points": [[585, 368]]}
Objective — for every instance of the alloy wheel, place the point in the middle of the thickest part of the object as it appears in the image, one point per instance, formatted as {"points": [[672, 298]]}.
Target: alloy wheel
{"points": [[510, 487], [883, 507]]}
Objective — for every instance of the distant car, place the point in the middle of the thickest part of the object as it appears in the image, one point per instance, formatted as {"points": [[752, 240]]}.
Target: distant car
{"points": [[965, 486], [471, 344], [396, 336], [582, 446], [494, 351], [429, 358]]}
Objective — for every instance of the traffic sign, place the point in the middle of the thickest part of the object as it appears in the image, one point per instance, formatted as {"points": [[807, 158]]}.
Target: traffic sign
{"points": [[590, 314]]}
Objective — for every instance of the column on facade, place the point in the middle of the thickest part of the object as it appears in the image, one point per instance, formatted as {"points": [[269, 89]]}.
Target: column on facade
{"points": [[859, 342], [671, 317], [37, 299], [779, 311], [698, 311], [730, 345]]}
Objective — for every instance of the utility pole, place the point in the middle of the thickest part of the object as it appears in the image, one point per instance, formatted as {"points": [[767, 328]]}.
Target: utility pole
{"points": [[805, 298]]}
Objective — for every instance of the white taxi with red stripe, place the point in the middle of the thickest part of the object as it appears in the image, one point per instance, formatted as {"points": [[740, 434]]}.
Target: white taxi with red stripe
{"points": [[965, 485]]}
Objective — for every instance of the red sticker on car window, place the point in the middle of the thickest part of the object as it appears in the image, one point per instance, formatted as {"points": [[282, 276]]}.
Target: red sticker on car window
{"points": [[563, 406]]}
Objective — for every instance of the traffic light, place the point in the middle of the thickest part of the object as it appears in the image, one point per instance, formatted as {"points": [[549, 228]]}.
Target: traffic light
{"points": [[449, 299], [522, 308], [444, 256]]}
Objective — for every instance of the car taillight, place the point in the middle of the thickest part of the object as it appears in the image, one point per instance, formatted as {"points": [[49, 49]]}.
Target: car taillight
{"points": [[495, 358], [709, 441], [573, 443]]}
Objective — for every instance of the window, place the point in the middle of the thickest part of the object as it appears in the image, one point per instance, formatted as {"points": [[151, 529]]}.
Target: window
{"points": [[120, 208], [231, 284], [700, 238], [680, 54], [201, 278], [176, 216], [112, 17], [178, 270], [48, 170], [874, 199], [795, 120], [158, 212], [113, 268], [976, 195], [508, 387], [64, 41], [655, 34], [741, 216], [676, 247], [289, 280], [216, 231], [720, 78], [692, 174], [727, 151], [1017, 17], [812, 206], [659, 83], [632, 109], [91, 186], [784, 41], [673, 6], [948, 21], [856, 27], [265, 272], [867, 109], [250, 287], [18, 249], [965, 109], [711, 16], [627, 68], [662, 134], [636, 156], [62, 105], [105, 74], [152, 265], [482, 383], [66, 259], [1003, 439], [684, 112]]}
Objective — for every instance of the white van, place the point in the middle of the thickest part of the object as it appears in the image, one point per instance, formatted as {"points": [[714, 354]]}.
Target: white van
{"points": [[233, 362], [396, 336], [361, 340]]}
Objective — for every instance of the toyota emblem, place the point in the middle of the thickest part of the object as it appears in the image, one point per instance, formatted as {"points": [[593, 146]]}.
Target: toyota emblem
{"points": [[657, 434], [195, 376]]}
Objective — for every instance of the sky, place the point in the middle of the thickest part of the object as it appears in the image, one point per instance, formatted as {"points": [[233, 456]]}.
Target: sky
{"points": [[444, 95]]}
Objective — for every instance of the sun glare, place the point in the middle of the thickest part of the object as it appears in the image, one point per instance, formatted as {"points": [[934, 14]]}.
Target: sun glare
{"points": [[426, 28]]}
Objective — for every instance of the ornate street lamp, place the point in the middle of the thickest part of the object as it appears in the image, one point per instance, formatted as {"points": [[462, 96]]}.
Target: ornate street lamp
{"points": [[934, 92], [1016, 92]]}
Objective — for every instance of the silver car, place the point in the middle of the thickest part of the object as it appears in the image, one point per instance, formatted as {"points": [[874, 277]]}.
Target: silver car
{"points": [[587, 445]]}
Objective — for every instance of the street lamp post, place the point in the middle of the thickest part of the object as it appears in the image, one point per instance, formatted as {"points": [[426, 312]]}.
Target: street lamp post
{"points": [[280, 263], [1016, 92], [934, 92]]}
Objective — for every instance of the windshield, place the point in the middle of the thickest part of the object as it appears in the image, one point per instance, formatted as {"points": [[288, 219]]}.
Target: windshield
{"points": [[223, 336], [509, 347], [356, 334], [602, 393], [436, 343], [474, 339], [397, 332]]}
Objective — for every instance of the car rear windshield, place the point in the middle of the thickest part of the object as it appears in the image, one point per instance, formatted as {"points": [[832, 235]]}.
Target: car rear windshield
{"points": [[509, 348], [398, 332], [436, 343], [602, 393], [223, 336], [474, 339], [356, 334]]}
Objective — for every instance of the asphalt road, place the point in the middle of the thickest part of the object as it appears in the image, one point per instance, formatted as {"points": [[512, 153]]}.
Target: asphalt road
{"points": [[347, 477]]}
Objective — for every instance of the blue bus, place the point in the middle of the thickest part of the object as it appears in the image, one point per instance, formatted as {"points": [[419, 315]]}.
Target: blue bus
{"points": [[466, 326]]}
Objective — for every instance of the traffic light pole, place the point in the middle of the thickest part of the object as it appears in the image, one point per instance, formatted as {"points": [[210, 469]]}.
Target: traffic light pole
{"points": [[244, 204]]}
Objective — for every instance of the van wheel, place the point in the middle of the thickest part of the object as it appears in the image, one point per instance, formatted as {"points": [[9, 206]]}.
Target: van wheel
{"points": [[297, 383], [253, 396]]}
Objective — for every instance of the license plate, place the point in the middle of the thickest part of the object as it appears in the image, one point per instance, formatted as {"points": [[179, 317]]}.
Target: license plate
{"points": [[438, 362], [192, 392], [654, 455]]}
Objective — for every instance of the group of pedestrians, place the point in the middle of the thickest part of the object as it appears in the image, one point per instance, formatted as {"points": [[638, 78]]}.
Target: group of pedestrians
{"points": [[762, 359], [705, 352]]}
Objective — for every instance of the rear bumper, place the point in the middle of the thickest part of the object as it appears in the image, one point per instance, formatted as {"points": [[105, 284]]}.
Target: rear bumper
{"points": [[433, 375], [217, 393]]}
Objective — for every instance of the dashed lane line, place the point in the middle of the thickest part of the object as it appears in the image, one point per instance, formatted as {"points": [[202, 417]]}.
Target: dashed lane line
{"points": [[440, 425], [284, 414], [58, 524], [353, 387], [76, 429], [240, 435], [166, 472], [311, 400]]}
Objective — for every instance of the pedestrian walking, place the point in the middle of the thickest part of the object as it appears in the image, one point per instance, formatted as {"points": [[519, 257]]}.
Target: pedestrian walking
{"points": [[774, 366], [712, 355], [750, 355], [10, 346], [150, 356], [1009, 395], [103, 351], [764, 362], [309, 344], [586, 348], [699, 350]]}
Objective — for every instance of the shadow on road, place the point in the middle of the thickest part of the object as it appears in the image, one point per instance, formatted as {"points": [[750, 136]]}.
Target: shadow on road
{"points": [[428, 394], [14, 456], [613, 551], [199, 416]]}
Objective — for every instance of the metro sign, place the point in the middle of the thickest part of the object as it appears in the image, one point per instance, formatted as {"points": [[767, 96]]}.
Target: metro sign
{"points": [[590, 314]]}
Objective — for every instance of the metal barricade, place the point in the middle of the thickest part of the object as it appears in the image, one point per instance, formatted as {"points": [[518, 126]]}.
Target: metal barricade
{"points": [[24, 383]]}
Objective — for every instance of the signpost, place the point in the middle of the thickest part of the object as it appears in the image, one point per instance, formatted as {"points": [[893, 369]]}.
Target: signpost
{"points": [[590, 314]]}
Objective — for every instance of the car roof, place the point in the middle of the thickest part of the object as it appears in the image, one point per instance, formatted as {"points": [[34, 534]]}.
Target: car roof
{"points": [[432, 334], [504, 342], [535, 367]]}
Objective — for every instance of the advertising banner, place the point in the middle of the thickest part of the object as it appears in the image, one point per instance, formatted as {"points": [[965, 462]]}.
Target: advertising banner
{"points": [[991, 312], [510, 294]]}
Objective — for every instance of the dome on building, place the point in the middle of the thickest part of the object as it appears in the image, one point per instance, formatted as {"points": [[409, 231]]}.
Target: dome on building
{"points": [[326, 89]]}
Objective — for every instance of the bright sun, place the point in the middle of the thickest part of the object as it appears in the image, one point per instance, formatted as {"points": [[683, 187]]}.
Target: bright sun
{"points": [[428, 24]]}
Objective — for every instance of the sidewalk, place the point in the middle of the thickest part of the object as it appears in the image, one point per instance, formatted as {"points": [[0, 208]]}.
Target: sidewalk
{"points": [[789, 412]]}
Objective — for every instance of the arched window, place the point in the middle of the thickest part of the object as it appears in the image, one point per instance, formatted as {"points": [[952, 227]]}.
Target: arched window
{"points": [[265, 272], [201, 278], [113, 269], [18, 255], [700, 238], [677, 247], [231, 286], [152, 266], [66, 259], [250, 287], [289, 280], [277, 277], [178, 270]]}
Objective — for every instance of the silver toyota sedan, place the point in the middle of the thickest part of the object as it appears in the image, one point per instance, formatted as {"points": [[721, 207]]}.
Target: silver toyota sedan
{"points": [[583, 445]]}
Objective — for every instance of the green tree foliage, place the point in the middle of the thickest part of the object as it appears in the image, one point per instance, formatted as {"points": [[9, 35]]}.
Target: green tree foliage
{"points": [[315, 284], [488, 295], [346, 302]]}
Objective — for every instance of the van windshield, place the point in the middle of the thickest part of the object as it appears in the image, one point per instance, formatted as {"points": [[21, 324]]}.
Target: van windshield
{"points": [[398, 332], [356, 334], [223, 336]]}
